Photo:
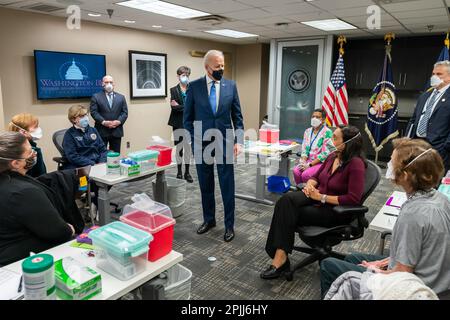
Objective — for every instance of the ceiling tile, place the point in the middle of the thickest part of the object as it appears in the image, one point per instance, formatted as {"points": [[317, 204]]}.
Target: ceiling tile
{"points": [[424, 20], [413, 5], [271, 21], [420, 13], [311, 16], [341, 4], [266, 3], [292, 8], [212, 6], [248, 14]]}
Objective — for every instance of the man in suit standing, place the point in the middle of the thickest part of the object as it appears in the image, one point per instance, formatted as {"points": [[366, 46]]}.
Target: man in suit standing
{"points": [[212, 103], [110, 111], [431, 118]]}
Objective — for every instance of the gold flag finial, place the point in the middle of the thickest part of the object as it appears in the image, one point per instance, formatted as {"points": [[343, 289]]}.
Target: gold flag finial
{"points": [[447, 42], [341, 40], [389, 37]]}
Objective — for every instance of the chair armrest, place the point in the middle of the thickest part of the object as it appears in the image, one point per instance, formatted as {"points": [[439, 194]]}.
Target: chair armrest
{"points": [[350, 209], [59, 159]]}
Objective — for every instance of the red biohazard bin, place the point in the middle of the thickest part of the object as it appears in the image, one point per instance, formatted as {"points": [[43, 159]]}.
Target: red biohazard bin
{"points": [[158, 222], [269, 135], [165, 154]]}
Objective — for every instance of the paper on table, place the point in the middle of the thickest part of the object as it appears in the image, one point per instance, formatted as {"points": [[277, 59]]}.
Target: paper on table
{"points": [[397, 199], [9, 283]]}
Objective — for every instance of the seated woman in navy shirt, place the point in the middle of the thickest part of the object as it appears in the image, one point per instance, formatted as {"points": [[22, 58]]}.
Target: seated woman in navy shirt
{"points": [[340, 181], [82, 143]]}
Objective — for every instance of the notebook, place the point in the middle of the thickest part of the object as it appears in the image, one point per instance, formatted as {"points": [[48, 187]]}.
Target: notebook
{"points": [[397, 199], [9, 285]]}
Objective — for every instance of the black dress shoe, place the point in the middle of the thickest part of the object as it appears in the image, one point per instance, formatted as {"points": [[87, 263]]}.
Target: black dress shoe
{"points": [[179, 176], [205, 227], [272, 273], [229, 235], [188, 177]]}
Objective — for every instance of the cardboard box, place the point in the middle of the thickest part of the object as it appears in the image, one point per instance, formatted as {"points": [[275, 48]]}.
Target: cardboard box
{"points": [[74, 281]]}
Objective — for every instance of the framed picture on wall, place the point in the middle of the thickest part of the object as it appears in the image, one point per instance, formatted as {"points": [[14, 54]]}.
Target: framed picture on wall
{"points": [[148, 74]]}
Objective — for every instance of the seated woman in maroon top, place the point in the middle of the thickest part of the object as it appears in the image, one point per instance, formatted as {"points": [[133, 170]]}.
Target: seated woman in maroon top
{"points": [[340, 181]]}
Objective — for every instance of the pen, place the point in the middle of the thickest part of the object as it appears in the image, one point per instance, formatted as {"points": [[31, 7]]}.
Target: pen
{"points": [[19, 289], [390, 214]]}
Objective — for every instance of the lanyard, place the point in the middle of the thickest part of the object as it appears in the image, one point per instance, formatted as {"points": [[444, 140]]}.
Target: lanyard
{"points": [[311, 139]]}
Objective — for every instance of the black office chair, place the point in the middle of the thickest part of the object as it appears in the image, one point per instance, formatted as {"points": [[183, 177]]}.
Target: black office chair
{"points": [[321, 240], [58, 138]]}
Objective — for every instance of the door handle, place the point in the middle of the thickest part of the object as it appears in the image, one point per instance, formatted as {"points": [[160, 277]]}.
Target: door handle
{"points": [[400, 80], [404, 80]]}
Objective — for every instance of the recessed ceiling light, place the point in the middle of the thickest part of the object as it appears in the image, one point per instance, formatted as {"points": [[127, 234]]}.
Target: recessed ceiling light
{"points": [[232, 33], [94, 14], [129, 21], [330, 25], [164, 8], [181, 30], [156, 26]]}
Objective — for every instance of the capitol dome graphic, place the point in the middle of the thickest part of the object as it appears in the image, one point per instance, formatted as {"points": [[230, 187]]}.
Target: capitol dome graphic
{"points": [[73, 72]]}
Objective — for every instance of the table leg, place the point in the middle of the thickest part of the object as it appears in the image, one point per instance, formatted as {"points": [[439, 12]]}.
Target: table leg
{"points": [[161, 188], [260, 187], [104, 213]]}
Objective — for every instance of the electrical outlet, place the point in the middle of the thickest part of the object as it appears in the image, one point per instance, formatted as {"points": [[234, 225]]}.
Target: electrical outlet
{"points": [[128, 144]]}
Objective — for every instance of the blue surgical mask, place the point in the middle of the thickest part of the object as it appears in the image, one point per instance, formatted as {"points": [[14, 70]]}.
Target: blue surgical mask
{"points": [[84, 122], [184, 80]]}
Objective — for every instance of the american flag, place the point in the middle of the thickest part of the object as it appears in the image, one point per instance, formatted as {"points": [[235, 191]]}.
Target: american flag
{"points": [[335, 100]]}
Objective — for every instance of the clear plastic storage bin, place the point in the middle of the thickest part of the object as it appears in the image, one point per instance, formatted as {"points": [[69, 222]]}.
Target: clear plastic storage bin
{"points": [[120, 249], [145, 158]]}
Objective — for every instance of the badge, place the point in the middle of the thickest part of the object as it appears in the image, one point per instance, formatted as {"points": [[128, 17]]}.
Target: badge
{"points": [[93, 136]]}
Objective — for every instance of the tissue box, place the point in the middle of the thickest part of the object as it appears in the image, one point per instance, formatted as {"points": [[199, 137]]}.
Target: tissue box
{"points": [[74, 281], [129, 168]]}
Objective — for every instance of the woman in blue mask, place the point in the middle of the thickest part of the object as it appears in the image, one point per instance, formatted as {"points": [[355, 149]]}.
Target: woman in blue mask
{"points": [[28, 125], [82, 143], [177, 98]]}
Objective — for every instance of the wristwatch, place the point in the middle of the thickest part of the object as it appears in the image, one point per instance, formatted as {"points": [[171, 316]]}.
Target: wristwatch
{"points": [[323, 199]]}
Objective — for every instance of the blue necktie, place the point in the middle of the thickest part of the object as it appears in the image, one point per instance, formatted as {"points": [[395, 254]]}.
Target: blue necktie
{"points": [[212, 97], [423, 122]]}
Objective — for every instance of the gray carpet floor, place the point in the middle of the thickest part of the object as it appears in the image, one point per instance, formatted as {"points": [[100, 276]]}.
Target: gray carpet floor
{"points": [[235, 272]]}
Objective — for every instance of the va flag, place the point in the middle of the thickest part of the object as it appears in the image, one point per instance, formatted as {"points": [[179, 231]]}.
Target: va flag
{"points": [[382, 111]]}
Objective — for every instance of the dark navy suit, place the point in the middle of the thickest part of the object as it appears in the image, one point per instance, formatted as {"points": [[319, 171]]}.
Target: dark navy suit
{"points": [[227, 116], [101, 111], [438, 129]]}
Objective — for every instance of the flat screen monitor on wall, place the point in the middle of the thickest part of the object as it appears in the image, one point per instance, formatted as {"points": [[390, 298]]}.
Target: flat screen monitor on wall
{"points": [[65, 75]]}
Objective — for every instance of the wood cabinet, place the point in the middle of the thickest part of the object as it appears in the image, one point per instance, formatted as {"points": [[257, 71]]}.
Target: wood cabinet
{"points": [[412, 61], [359, 121]]}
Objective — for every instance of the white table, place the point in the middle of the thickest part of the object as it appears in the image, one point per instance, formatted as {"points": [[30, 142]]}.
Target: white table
{"points": [[105, 181], [112, 288], [384, 221], [263, 151]]}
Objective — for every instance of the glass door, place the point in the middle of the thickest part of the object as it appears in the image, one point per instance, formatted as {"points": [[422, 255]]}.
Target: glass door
{"points": [[298, 85]]}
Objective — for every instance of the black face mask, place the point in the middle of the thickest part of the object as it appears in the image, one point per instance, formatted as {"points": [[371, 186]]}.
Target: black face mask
{"points": [[217, 74], [30, 162]]}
